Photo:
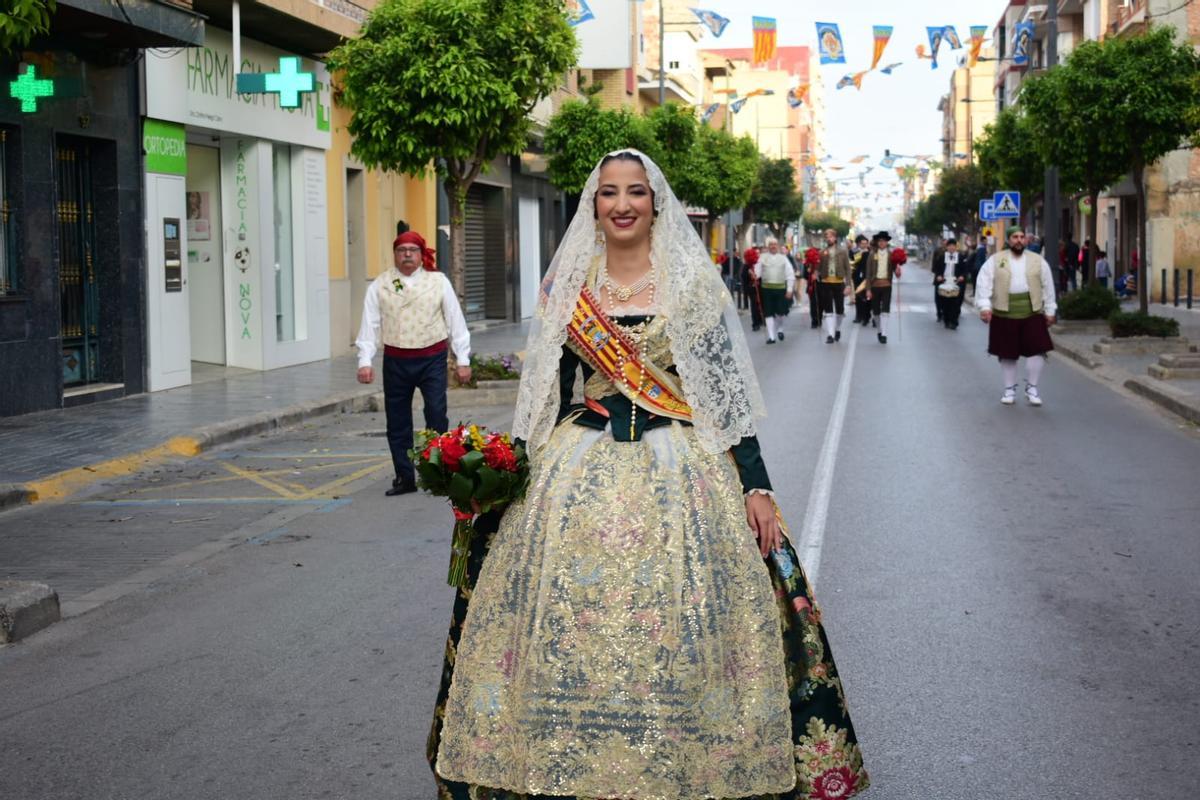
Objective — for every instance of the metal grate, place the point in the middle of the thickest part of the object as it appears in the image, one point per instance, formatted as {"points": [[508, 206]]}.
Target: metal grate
{"points": [[78, 288], [10, 274]]}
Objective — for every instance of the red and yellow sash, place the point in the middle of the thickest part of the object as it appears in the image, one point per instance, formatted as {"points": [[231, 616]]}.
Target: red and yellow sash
{"points": [[611, 352]]}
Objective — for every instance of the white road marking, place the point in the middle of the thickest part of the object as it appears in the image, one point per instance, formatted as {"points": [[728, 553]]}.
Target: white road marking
{"points": [[812, 537]]}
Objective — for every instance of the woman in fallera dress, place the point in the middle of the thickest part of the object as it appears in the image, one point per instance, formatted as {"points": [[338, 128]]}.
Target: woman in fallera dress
{"points": [[638, 626]]}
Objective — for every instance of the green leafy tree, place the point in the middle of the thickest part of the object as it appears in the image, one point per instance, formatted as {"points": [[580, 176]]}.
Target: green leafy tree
{"points": [[816, 222], [1069, 118], [956, 200], [1155, 110], [672, 130], [1009, 158], [450, 84], [925, 219], [21, 21], [776, 201], [722, 172], [582, 133]]}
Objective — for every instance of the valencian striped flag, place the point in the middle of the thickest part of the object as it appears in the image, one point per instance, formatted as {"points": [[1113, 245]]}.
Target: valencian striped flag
{"points": [[977, 34], [764, 39], [712, 20], [829, 42], [883, 34]]}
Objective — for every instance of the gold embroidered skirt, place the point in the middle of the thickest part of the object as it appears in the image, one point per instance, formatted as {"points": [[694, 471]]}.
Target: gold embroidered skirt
{"points": [[623, 639]]}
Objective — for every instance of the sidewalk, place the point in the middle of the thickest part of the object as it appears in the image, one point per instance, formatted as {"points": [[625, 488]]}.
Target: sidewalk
{"points": [[51, 454], [1179, 395]]}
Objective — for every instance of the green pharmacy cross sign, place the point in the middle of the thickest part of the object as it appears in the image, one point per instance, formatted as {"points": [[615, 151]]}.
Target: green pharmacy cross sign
{"points": [[28, 88], [289, 83]]}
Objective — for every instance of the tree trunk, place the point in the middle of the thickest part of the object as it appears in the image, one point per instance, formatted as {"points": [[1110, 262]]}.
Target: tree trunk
{"points": [[457, 195], [1089, 263], [1139, 174]]}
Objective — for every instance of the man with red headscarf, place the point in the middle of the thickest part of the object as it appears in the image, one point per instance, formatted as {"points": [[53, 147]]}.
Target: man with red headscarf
{"points": [[413, 309]]}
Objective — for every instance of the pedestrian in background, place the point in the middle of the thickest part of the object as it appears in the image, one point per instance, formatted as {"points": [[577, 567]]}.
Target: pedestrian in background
{"points": [[1103, 271], [413, 309], [777, 283], [880, 273], [950, 281], [834, 286], [1070, 262], [1016, 299], [752, 289], [938, 252], [858, 260]]}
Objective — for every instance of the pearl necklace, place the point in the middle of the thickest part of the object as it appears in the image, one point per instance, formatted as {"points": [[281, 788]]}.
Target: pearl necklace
{"points": [[624, 293]]}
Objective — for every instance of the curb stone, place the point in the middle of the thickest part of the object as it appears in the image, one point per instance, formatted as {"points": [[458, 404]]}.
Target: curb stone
{"points": [[1078, 356], [1171, 399], [25, 608]]}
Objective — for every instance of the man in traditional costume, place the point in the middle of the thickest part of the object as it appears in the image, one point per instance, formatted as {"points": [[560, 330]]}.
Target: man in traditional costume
{"points": [[858, 259], [777, 281], [413, 308], [949, 282], [833, 286], [880, 272], [752, 288], [1015, 297]]}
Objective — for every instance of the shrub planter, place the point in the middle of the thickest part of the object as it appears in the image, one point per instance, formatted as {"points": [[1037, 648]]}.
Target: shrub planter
{"points": [[1143, 345], [1080, 327], [1176, 366]]}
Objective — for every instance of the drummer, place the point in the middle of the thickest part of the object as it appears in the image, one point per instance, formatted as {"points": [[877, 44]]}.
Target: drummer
{"points": [[949, 280]]}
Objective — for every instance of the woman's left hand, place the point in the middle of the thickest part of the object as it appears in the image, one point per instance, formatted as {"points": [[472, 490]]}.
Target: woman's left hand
{"points": [[760, 513]]}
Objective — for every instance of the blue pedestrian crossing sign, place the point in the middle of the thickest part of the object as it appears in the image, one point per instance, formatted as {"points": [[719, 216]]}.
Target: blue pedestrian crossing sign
{"points": [[1007, 204], [987, 210]]}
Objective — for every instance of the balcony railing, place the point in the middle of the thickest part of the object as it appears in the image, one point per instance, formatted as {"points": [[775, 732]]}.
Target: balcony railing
{"points": [[1131, 13]]}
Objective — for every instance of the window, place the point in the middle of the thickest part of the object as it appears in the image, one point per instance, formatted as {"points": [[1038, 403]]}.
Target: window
{"points": [[285, 270], [673, 65], [9, 274]]}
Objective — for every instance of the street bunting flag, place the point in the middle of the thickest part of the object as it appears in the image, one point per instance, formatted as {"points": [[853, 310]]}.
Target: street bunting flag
{"points": [[888, 69], [1022, 36], [858, 159], [759, 93], [764, 39], [978, 32], [737, 105], [829, 41], [579, 12], [731, 92], [708, 112], [712, 20], [888, 162], [935, 42], [950, 37], [883, 34], [799, 95]]}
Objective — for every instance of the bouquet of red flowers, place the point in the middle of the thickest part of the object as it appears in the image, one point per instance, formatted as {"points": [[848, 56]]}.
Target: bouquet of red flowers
{"points": [[899, 257], [477, 471], [812, 257]]}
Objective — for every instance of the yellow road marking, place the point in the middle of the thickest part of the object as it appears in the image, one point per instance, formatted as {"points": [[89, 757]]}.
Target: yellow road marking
{"points": [[327, 489], [271, 473], [266, 483], [67, 482]]}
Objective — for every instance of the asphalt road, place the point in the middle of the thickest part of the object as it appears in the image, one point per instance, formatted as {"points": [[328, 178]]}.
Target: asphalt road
{"points": [[1010, 593]]}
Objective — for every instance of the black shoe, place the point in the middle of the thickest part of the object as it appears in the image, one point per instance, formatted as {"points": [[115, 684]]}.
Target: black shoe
{"points": [[882, 339], [953, 326], [770, 341], [401, 486], [815, 325], [837, 336], [829, 340], [874, 324], [781, 336], [939, 319]]}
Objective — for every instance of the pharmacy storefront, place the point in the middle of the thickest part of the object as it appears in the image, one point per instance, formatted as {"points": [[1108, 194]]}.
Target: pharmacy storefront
{"points": [[236, 215]]}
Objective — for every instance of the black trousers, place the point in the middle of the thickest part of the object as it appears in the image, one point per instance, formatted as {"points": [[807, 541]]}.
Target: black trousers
{"points": [[881, 300], [814, 308], [832, 298], [401, 377], [950, 308]]}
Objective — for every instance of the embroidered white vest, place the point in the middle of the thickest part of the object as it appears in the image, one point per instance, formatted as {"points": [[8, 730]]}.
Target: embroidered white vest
{"points": [[775, 268], [411, 317]]}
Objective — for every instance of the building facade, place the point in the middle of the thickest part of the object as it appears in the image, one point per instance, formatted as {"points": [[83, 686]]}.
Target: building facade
{"points": [[73, 284]]}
